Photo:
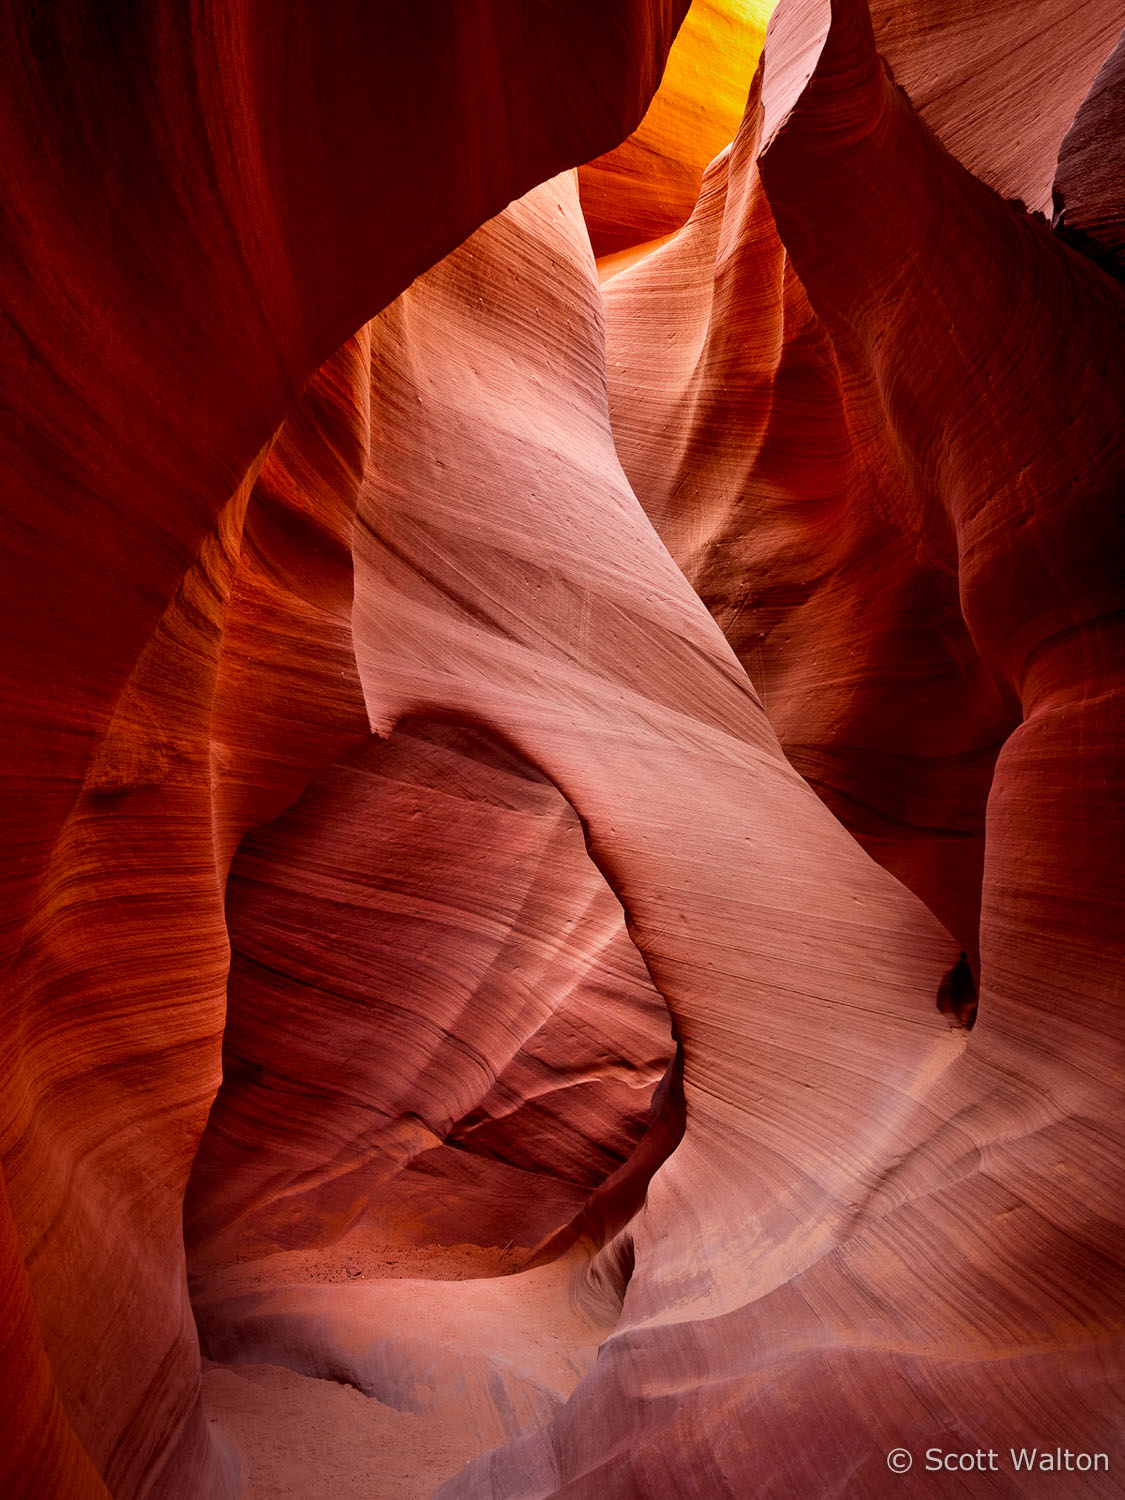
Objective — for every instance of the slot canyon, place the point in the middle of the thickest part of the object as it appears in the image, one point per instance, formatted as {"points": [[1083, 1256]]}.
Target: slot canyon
{"points": [[563, 694]]}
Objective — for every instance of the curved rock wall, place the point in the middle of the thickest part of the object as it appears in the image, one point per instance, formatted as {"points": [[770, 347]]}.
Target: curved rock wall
{"points": [[646, 188], [192, 225], [514, 783]]}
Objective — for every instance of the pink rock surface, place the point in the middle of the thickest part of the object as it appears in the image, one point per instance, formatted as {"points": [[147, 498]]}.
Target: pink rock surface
{"points": [[427, 971], [193, 226], [971, 1290], [411, 744], [801, 977], [998, 83], [758, 445], [1089, 187]]}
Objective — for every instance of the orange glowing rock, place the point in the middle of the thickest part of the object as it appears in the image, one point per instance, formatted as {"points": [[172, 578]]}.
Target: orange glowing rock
{"points": [[647, 187]]}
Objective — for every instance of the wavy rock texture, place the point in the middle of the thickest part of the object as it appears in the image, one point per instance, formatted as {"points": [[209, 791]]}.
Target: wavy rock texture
{"points": [[513, 800], [1089, 188], [646, 188], [429, 977], [191, 228], [985, 1258], [760, 449], [786, 997], [998, 83]]}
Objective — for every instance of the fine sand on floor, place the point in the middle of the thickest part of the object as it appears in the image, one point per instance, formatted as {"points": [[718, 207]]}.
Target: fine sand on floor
{"points": [[451, 1363]]}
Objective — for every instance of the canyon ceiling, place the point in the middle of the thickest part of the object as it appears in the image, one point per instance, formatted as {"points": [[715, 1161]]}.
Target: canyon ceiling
{"points": [[563, 694]]}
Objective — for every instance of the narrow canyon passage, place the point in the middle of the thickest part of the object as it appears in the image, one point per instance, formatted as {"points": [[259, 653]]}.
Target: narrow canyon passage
{"points": [[563, 917], [441, 1052]]}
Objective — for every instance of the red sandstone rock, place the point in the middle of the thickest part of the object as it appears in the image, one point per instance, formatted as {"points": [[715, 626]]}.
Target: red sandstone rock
{"points": [[975, 1288], [1089, 190], [758, 446], [647, 186], [192, 226], [422, 953], [998, 82], [876, 1231], [801, 977]]}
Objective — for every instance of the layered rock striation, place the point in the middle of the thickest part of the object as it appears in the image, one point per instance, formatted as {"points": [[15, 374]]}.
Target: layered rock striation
{"points": [[510, 809]]}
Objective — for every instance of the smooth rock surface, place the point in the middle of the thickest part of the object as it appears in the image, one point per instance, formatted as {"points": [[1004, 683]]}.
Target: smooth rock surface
{"points": [[192, 226], [495, 801], [647, 187]]}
